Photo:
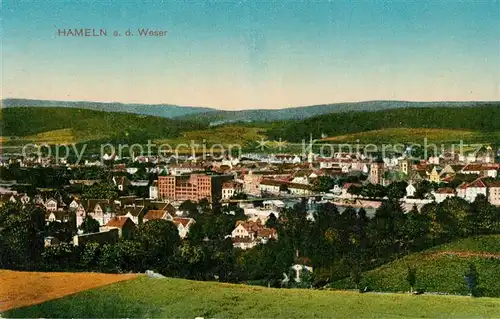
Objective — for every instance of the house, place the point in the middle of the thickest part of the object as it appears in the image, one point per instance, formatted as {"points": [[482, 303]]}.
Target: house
{"points": [[301, 177], [134, 212], [51, 204], [300, 266], [51, 241], [153, 190], [74, 205], [337, 190], [231, 188], [271, 186], [56, 216], [250, 233], [443, 193], [299, 189], [490, 170], [80, 214], [101, 210], [183, 224], [475, 169], [24, 199], [494, 192], [469, 191], [157, 214], [125, 226], [109, 236], [434, 174], [410, 190]]}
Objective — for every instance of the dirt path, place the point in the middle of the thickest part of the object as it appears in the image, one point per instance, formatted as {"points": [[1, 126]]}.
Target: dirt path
{"points": [[468, 254], [18, 288]]}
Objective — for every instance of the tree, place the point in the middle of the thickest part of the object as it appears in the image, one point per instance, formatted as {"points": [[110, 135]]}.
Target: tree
{"points": [[472, 279], [323, 184], [100, 191], [397, 190], [190, 207], [356, 276], [21, 233], [411, 277], [423, 189], [272, 221], [159, 239], [90, 225]]}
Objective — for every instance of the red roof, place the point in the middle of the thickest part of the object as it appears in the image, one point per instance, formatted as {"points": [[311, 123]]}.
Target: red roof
{"points": [[478, 183], [154, 214], [182, 220], [446, 190], [118, 221]]}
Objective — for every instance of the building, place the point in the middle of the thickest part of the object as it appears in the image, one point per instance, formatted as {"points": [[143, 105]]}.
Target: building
{"points": [[494, 192], [469, 191], [271, 186], [183, 224], [376, 172], [248, 234], [299, 189], [153, 190], [410, 190], [231, 188], [192, 187], [125, 226], [443, 193]]}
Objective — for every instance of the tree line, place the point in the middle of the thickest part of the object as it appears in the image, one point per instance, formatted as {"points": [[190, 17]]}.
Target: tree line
{"points": [[337, 245]]}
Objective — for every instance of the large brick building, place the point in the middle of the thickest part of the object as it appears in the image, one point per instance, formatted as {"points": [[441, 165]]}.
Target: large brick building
{"points": [[191, 187]]}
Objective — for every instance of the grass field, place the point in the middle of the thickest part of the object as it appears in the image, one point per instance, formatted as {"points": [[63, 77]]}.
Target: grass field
{"points": [[224, 135], [19, 289], [440, 269], [161, 298], [416, 135]]}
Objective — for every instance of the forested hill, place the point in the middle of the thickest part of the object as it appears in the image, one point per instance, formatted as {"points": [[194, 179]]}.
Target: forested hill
{"points": [[484, 118], [303, 112], [84, 124]]}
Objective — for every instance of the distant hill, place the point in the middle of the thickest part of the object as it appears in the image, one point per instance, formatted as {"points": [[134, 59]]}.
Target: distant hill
{"points": [[440, 269], [482, 117], [162, 110], [303, 112], [70, 125], [217, 117]]}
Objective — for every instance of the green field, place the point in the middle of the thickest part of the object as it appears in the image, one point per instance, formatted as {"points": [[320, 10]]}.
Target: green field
{"points": [[154, 298], [440, 269], [224, 135]]}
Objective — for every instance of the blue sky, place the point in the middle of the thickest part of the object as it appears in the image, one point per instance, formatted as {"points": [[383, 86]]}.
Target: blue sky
{"points": [[246, 54]]}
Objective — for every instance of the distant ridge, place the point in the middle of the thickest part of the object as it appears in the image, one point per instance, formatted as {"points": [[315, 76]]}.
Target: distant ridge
{"points": [[162, 110], [304, 112], [215, 116]]}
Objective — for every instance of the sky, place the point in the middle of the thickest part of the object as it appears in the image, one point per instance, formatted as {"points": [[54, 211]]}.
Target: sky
{"points": [[247, 54]]}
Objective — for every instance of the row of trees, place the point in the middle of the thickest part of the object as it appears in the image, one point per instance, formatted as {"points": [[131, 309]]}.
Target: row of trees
{"points": [[337, 245]]}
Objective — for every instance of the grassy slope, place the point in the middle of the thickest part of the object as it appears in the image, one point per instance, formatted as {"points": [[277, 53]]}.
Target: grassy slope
{"points": [[412, 135], [145, 297], [440, 272], [480, 118], [225, 135]]}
